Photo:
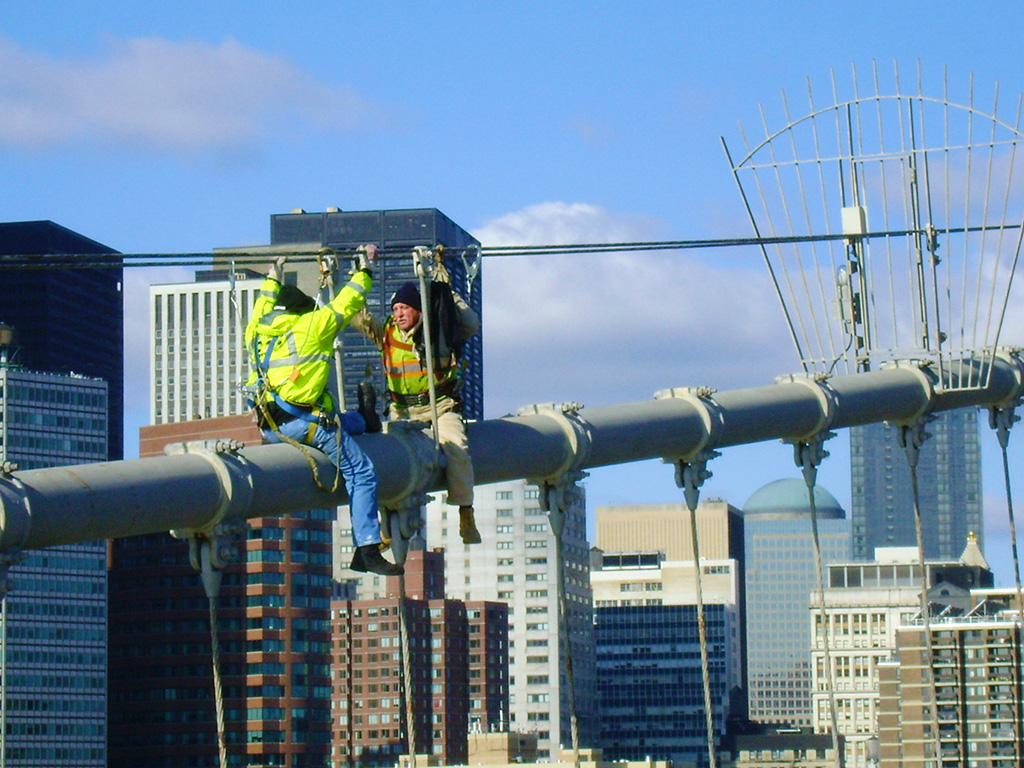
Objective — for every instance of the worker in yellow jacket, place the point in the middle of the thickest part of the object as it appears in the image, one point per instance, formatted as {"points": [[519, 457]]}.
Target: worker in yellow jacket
{"points": [[290, 343], [400, 340]]}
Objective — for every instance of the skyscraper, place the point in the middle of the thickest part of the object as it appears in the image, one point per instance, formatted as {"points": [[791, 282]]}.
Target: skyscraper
{"points": [[273, 633], [780, 575], [949, 482], [69, 320], [53, 620], [650, 675], [517, 563], [198, 361]]}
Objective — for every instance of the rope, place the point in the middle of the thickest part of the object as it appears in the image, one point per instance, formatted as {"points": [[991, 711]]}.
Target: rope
{"points": [[218, 688], [1003, 433], [563, 631], [304, 450], [823, 618], [911, 438], [327, 270], [417, 262], [702, 634], [403, 629]]}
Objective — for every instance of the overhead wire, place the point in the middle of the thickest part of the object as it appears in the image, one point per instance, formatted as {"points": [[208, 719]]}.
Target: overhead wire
{"points": [[242, 259]]}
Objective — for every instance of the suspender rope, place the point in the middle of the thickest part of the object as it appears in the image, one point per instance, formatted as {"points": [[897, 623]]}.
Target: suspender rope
{"points": [[418, 255], [808, 455], [1001, 419], [556, 500], [202, 556], [409, 685], [690, 476], [912, 437]]}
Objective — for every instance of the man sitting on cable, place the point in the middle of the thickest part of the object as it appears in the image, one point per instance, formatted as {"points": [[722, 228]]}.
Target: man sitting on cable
{"points": [[400, 340], [290, 343]]}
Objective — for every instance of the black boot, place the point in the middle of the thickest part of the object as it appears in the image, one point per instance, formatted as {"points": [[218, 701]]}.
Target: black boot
{"points": [[368, 406], [368, 559]]}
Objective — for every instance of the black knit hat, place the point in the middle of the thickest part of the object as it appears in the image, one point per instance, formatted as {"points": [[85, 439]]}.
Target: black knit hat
{"points": [[292, 300], [408, 294]]}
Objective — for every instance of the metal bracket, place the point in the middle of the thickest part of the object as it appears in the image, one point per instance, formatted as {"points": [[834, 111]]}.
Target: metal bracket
{"points": [[1001, 418], [577, 432], [213, 548], [827, 399], [557, 495], [8, 559], [710, 414], [690, 475], [403, 522], [808, 453], [912, 437], [559, 490], [8, 467], [402, 514]]}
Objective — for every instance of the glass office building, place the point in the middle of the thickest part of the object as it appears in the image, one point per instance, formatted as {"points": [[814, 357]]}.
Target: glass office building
{"points": [[949, 483], [780, 576], [650, 681], [53, 620]]}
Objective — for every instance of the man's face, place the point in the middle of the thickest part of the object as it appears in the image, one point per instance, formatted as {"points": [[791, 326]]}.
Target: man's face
{"points": [[406, 317]]}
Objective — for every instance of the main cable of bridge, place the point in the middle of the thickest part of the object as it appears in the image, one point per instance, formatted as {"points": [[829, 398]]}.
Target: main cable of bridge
{"points": [[241, 258]]}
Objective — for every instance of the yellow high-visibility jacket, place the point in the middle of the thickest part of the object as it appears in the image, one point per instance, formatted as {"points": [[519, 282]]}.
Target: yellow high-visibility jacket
{"points": [[300, 346]]}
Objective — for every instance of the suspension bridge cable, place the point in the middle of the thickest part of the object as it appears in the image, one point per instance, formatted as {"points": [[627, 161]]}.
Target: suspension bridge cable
{"points": [[243, 258]]}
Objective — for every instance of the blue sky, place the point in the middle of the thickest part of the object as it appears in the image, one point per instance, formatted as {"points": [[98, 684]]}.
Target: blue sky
{"points": [[180, 127]]}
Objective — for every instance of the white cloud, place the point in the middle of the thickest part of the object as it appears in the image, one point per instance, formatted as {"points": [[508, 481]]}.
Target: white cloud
{"points": [[616, 327], [171, 96]]}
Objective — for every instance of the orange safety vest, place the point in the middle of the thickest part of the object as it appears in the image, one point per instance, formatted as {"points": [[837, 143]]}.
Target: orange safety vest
{"points": [[406, 373]]}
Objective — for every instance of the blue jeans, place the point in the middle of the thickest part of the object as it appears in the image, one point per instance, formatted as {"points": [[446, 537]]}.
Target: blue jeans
{"points": [[356, 468]]}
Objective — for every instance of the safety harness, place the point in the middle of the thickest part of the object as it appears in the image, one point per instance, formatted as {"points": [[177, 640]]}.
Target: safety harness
{"points": [[272, 410]]}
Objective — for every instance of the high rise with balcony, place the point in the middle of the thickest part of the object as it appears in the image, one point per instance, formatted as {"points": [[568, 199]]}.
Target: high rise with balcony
{"points": [[973, 671], [866, 604]]}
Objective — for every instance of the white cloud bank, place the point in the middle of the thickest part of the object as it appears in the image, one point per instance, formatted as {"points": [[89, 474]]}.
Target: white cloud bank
{"points": [[169, 96], [616, 327]]}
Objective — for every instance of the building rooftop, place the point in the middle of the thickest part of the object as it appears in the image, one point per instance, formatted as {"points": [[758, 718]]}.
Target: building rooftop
{"points": [[788, 497]]}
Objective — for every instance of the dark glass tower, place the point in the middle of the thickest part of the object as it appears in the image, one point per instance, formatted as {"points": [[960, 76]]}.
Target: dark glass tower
{"points": [[949, 487], [396, 232], [68, 320]]}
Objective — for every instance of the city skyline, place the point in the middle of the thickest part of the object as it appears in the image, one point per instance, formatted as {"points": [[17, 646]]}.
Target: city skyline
{"points": [[135, 130]]}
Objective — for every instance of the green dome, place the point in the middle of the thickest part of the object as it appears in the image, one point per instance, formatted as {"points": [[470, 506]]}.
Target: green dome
{"points": [[789, 498]]}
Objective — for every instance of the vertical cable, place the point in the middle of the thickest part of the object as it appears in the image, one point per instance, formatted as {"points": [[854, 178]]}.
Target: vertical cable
{"points": [[819, 572], [911, 437], [218, 688], [690, 476], [557, 505], [1002, 419], [403, 629]]}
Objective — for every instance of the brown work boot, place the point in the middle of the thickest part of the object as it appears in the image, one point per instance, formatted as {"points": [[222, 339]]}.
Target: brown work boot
{"points": [[467, 526]]}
